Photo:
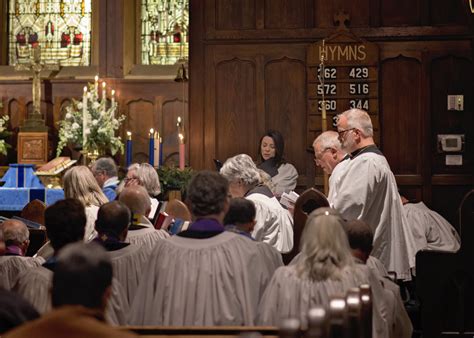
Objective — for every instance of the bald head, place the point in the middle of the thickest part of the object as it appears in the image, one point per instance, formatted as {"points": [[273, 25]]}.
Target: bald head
{"points": [[16, 233], [113, 218], [136, 199]]}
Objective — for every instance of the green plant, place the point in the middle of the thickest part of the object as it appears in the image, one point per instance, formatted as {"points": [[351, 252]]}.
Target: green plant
{"points": [[174, 178]]}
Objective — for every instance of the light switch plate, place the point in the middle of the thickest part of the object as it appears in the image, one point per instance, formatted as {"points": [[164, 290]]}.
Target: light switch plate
{"points": [[456, 102]]}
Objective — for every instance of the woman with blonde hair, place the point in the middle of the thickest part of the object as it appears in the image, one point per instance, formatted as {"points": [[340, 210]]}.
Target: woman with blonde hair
{"points": [[324, 268], [79, 183]]}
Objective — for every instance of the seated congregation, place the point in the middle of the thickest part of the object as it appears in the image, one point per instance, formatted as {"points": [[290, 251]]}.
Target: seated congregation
{"points": [[106, 263]]}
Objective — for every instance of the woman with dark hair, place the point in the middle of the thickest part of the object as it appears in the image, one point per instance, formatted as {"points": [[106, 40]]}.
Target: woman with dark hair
{"points": [[283, 174]]}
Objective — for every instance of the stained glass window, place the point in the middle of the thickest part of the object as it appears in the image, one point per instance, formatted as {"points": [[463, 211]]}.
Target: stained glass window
{"points": [[62, 28], [164, 33]]}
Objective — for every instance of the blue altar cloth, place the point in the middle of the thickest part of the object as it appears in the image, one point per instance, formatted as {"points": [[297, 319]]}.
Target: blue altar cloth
{"points": [[15, 199], [21, 175]]}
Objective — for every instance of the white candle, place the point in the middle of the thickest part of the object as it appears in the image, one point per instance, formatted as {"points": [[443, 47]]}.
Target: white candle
{"points": [[84, 117], [96, 83], [104, 94], [113, 97]]}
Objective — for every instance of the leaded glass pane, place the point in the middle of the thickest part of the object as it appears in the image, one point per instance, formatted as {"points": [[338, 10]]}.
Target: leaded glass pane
{"points": [[62, 28], [165, 27]]}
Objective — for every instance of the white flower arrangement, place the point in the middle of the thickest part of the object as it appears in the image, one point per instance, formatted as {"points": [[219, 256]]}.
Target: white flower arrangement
{"points": [[101, 124], [4, 133]]}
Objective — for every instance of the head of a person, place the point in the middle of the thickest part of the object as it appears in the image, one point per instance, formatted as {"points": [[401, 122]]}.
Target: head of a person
{"points": [[16, 234], [65, 222], [272, 145], [82, 276], [113, 219], [207, 195], [2, 243], [241, 173], [355, 130], [327, 151], [79, 183], [103, 169], [136, 199], [360, 237], [149, 179], [324, 246], [241, 213]]}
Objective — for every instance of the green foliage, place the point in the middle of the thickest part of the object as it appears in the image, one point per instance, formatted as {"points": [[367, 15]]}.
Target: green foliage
{"points": [[174, 179]]}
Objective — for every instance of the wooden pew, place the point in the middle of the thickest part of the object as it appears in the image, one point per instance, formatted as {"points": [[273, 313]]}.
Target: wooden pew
{"points": [[445, 282], [347, 316], [308, 201], [34, 211]]}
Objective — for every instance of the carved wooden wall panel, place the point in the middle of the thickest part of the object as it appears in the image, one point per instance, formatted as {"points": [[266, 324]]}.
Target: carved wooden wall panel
{"points": [[140, 118], [285, 106], [171, 109], [402, 127], [452, 75], [444, 12], [284, 14], [235, 14], [401, 12], [236, 103]]}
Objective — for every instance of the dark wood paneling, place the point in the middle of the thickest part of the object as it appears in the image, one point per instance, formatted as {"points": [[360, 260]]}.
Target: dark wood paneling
{"points": [[285, 105], [452, 12], [284, 14], [359, 12], [401, 114], [171, 109], [235, 14], [235, 104], [446, 201], [451, 75], [139, 113], [401, 12]]}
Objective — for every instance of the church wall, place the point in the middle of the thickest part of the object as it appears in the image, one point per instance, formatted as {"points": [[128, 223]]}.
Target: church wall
{"points": [[247, 75]]}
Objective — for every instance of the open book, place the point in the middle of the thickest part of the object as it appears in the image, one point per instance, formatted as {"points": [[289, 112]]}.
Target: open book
{"points": [[55, 166], [289, 200]]}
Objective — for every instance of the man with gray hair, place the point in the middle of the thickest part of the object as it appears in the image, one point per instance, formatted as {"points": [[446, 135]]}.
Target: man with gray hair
{"points": [[329, 155], [368, 192], [81, 289], [141, 231], [14, 262], [105, 173]]}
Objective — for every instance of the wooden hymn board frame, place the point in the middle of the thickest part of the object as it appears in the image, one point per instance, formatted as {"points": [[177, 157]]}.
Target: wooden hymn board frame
{"points": [[351, 80]]}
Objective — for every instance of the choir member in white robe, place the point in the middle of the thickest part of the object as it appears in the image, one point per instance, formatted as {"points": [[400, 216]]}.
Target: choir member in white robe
{"points": [[274, 224], [14, 262], [203, 276], [368, 191], [360, 237], [141, 232], [331, 158], [325, 268], [435, 232], [283, 175], [79, 183], [128, 260], [65, 223]]}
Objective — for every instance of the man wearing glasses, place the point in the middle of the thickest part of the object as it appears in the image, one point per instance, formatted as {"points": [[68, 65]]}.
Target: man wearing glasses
{"points": [[368, 191]]}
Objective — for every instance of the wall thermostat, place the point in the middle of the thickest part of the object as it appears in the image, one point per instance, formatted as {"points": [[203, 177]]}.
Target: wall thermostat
{"points": [[450, 143]]}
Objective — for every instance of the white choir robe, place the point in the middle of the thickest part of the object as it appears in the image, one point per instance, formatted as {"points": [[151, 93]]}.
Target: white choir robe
{"points": [[147, 236], [91, 217], [398, 320], [128, 265], [286, 179], [434, 232], [290, 296], [335, 178], [35, 285], [274, 224], [204, 282], [368, 191], [12, 266]]}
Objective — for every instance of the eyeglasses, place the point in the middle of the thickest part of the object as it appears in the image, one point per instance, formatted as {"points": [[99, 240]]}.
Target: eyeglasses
{"points": [[342, 133]]}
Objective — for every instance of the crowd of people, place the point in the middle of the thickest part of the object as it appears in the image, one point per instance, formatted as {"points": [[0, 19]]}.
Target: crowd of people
{"points": [[105, 262]]}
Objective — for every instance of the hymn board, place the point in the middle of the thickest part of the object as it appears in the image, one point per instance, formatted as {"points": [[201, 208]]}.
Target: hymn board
{"points": [[350, 79]]}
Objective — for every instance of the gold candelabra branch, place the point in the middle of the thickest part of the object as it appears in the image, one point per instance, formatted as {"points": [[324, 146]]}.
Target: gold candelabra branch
{"points": [[321, 78]]}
